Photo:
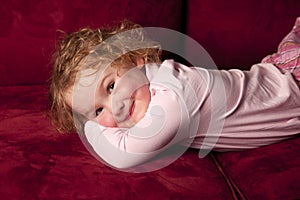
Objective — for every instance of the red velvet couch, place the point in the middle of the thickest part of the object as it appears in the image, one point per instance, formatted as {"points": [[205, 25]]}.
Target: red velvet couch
{"points": [[37, 162]]}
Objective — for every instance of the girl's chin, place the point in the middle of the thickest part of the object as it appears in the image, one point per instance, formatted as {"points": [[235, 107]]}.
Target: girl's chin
{"points": [[128, 124]]}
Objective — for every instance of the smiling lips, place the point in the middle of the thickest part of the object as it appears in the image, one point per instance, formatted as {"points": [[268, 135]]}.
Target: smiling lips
{"points": [[131, 110]]}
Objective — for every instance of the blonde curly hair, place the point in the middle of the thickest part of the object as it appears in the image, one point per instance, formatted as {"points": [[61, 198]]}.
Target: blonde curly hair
{"points": [[70, 54]]}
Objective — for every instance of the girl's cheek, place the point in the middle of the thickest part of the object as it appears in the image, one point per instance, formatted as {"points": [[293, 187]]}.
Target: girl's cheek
{"points": [[106, 120]]}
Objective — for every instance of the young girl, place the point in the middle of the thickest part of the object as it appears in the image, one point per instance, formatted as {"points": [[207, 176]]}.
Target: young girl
{"points": [[135, 107]]}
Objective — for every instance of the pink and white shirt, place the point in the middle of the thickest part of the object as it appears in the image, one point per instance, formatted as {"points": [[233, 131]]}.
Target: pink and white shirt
{"points": [[205, 109]]}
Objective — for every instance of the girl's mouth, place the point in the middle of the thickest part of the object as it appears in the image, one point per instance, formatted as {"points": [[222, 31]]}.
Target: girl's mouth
{"points": [[131, 110]]}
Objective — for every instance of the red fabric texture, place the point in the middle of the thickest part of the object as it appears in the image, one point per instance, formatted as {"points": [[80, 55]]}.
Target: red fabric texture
{"points": [[37, 162], [271, 172], [238, 34], [29, 29]]}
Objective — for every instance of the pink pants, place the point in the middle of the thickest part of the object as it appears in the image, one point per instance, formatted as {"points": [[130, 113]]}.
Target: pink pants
{"points": [[287, 58]]}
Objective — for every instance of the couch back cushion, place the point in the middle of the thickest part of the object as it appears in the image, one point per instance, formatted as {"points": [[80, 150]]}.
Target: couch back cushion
{"points": [[29, 29], [238, 33]]}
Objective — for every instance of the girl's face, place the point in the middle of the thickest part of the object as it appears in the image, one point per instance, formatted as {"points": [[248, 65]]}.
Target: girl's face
{"points": [[121, 97]]}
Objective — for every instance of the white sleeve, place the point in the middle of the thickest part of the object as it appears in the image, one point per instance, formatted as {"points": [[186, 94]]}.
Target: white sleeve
{"points": [[157, 130]]}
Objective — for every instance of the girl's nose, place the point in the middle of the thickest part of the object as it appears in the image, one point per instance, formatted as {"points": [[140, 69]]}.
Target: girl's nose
{"points": [[117, 108], [117, 99]]}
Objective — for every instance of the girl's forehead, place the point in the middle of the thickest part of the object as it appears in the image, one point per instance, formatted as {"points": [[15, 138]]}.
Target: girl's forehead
{"points": [[90, 73]]}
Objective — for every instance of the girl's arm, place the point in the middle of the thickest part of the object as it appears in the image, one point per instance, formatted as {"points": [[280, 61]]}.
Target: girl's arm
{"points": [[165, 123]]}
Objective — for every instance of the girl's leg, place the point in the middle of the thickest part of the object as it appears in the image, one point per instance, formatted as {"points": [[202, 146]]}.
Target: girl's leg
{"points": [[287, 58]]}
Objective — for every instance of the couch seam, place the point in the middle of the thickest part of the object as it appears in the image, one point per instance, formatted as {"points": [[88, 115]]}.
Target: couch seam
{"points": [[234, 189]]}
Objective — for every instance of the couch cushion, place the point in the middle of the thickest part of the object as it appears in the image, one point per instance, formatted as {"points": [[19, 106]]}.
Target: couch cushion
{"points": [[39, 163], [270, 172], [29, 29], [238, 34]]}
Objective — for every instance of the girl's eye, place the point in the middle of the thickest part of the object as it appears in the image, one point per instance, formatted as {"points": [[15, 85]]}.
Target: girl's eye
{"points": [[111, 87], [98, 111]]}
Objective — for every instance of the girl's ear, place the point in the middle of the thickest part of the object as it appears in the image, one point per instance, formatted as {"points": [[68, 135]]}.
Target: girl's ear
{"points": [[140, 62]]}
